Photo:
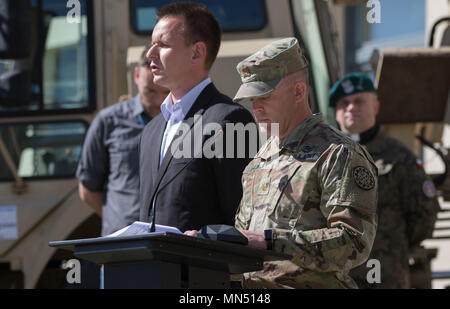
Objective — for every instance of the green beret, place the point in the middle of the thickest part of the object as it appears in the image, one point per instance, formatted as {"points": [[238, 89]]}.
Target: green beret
{"points": [[350, 84]]}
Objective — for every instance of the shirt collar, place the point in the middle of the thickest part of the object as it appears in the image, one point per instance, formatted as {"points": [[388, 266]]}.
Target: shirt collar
{"points": [[366, 136], [294, 139], [137, 107], [177, 112]]}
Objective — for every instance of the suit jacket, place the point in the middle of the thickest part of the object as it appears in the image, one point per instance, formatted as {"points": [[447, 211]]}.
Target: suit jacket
{"points": [[192, 193]]}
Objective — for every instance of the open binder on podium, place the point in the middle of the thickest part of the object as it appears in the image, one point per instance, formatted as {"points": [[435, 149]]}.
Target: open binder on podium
{"points": [[168, 260]]}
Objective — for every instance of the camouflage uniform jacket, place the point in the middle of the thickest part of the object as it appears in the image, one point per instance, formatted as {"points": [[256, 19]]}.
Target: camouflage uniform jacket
{"points": [[407, 209], [317, 189]]}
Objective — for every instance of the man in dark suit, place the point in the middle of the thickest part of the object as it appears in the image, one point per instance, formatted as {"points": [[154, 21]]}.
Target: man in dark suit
{"points": [[191, 191]]}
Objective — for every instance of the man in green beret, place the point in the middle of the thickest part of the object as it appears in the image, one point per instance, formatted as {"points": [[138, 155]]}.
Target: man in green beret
{"points": [[310, 191], [407, 203]]}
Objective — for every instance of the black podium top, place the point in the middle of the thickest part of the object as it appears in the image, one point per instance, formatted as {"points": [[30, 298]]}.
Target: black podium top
{"points": [[172, 248]]}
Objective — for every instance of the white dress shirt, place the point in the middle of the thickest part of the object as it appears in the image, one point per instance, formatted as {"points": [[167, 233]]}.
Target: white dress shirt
{"points": [[175, 114]]}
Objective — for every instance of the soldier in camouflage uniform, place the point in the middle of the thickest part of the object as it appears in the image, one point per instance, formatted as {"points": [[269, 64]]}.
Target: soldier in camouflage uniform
{"points": [[309, 192], [407, 203]]}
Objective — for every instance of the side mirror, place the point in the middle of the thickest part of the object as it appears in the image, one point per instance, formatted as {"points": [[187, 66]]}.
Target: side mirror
{"points": [[15, 29]]}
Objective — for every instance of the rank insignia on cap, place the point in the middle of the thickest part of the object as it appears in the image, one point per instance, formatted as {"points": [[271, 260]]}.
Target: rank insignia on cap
{"points": [[363, 178], [429, 189], [348, 86], [245, 72]]}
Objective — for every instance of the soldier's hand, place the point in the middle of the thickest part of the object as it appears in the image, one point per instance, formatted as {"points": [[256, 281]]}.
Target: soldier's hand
{"points": [[255, 239], [191, 233]]}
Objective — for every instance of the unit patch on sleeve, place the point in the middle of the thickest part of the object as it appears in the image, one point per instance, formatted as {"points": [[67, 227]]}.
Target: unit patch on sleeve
{"points": [[363, 178]]}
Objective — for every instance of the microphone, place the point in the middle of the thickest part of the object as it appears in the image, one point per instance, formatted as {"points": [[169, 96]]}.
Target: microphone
{"points": [[213, 138]]}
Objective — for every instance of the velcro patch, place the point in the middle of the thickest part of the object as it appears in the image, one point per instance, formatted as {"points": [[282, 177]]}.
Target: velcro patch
{"points": [[363, 178]]}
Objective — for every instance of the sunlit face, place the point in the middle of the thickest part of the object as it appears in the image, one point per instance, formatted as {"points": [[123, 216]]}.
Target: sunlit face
{"points": [[169, 55], [152, 95], [278, 107], [357, 113]]}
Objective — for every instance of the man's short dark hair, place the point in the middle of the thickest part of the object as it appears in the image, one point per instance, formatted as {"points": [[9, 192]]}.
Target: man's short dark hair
{"points": [[201, 26]]}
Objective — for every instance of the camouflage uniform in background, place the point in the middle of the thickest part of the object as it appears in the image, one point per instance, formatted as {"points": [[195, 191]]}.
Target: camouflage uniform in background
{"points": [[317, 190], [407, 208]]}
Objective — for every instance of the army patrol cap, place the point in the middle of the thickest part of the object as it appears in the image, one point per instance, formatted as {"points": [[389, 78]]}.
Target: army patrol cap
{"points": [[350, 84], [262, 72]]}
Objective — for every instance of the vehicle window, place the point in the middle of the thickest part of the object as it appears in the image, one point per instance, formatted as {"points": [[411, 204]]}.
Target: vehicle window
{"points": [[42, 150], [55, 77], [364, 37], [305, 15], [232, 15]]}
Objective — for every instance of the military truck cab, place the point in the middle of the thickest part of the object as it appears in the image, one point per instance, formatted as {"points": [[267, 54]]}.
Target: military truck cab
{"points": [[63, 61]]}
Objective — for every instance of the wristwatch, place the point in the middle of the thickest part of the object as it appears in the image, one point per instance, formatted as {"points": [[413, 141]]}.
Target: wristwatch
{"points": [[270, 236]]}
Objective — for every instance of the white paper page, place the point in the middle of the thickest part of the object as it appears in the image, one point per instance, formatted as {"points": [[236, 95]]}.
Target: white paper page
{"points": [[139, 228]]}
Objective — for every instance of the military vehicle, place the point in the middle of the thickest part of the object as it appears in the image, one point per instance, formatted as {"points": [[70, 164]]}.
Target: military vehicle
{"points": [[63, 61]]}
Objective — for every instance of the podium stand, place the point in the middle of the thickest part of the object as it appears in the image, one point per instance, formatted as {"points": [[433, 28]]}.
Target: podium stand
{"points": [[167, 260]]}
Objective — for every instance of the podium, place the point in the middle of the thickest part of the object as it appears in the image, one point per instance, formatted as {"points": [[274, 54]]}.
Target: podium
{"points": [[167, 260]]}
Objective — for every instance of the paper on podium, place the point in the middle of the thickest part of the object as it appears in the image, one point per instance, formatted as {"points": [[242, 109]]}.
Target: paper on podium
{"points": [[139, 228]]}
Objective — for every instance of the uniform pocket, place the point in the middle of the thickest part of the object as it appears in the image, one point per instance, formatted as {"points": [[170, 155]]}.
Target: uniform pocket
{"points": [[285, 204], [124, 156], [245, 212]]}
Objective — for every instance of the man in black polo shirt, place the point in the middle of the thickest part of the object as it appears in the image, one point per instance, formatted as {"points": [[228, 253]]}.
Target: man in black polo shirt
{"points": [[108, 171]]}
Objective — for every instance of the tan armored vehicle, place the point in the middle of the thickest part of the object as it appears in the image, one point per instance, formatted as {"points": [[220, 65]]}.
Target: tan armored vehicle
{"points": [[63, 61]]}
